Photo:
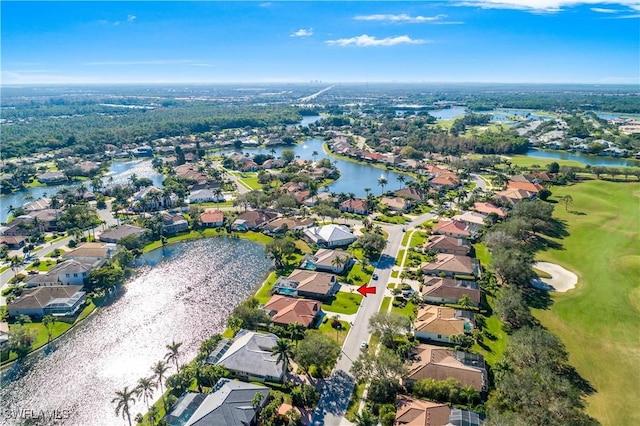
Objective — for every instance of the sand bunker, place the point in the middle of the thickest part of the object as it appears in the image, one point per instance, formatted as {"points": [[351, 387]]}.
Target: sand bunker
{"points": [[561, 279]]}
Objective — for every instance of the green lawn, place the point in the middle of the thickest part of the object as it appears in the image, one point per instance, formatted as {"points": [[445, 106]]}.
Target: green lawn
{"points": [[400, 257], [600, 319], [407, 311], [494, 341], [343, 303], [354, 402], [339, 335], [385, 304], [357, 275], [418, 239], [397, 220], [482, 254], [44, 266], [525, 161]]}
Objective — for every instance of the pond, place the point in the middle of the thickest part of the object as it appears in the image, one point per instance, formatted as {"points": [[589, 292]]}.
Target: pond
{"points": [[186, 296], [119, 173], [354, 177]]}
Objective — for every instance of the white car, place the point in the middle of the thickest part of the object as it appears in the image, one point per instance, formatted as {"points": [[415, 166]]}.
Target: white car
{"points": [[364, 345]]}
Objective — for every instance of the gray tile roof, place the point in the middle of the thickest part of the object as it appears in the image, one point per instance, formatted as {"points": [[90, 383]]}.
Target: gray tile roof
{"points": [[229, 403]]}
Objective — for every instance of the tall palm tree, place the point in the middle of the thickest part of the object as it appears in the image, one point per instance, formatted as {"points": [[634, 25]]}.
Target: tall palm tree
{"points": [[283, 350], [123, 400], [296, 330], [15, 263], [160, 368], [367, 191], [174, 353], [338, 262], [145, 387], [401, 179], [465, 301], [314, 154], [382, 181]]}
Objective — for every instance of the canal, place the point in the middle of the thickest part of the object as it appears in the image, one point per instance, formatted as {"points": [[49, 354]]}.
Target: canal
{"points": [[184, 296]]}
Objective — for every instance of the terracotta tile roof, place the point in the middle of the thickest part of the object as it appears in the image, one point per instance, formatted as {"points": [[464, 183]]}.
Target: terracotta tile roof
{"points": [[354, 205], [451, 227], [398, 203], [449, 288], [212, 216], [439, 320], [436, 362], [489, 208], [527, 186], [515, 194], [289, 310], [320, 283], [451, 263], [416, 412], [446, 243]]}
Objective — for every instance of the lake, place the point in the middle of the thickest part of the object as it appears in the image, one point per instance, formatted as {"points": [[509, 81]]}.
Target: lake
{"points": [[186, 296], [354, 177]]}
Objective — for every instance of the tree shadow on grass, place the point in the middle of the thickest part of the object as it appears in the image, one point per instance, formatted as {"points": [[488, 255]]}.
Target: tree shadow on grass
{"points": [[577, 213], [537, 298], [578, 381]]}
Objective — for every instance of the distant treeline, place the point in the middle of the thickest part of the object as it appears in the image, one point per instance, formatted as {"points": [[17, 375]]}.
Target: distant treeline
{"points": [[87, 128]]}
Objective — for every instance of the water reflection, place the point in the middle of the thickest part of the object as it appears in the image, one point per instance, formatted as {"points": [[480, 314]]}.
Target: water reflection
{"points": [[186, 297]]}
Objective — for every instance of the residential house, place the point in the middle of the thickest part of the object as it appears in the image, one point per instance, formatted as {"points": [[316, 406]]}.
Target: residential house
{"points": [[248, 357], [69, 272], [40, 204], [229, 403], [190, 172], [452, 228], [312, 201], [488, 208], [13, 242], [445, 181], [447, 244], [325, 260], [417, 412], [4, 335], [212, 218], [206, 196], [152, 198], [252, 220], [332, 235], [313, 284], [51, 178], [142, 151], [273, 164], [448, 290], [472, 219], [116, 234], [287, 310], [514, 195], [397, 204], [451, 265], [438, 323], [410, 193], [284, 224], [174, 223], [436, 362], [526, 186], [356, 206], [92, 252], [62, 300]]}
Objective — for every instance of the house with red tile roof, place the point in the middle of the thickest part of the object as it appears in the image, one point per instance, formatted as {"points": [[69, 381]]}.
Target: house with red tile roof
{"points": [[212, 218], [488, 208], [287, 310], [356, 206], [451, 265], [451, 228]]}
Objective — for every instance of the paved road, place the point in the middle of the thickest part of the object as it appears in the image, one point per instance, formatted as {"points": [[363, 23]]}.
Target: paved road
{"points": [[339, 387]]}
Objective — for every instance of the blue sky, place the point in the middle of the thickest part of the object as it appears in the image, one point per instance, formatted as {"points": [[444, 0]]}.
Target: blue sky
{"points": [[511, 41]]}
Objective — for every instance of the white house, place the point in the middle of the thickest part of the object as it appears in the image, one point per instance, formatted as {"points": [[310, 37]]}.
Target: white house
{"points": [[330, 235]]}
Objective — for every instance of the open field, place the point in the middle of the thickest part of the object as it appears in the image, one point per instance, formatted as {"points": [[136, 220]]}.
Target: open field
{"points": [[599, 320]]}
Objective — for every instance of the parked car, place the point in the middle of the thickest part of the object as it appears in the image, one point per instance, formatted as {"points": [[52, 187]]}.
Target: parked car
{"points": [[374, 276]]}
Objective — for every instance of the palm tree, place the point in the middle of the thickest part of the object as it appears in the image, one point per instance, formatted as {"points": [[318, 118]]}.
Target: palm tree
{"points": [[82, 189], [124, 399], [15, 263], [382, 181], [145, 387], [49, 322], [296, 330], [401, 179], [338, 262], [160, 368], [314, 154], [367, 191], [465, 301], [11, 209], [174, 353], [283, 350]]}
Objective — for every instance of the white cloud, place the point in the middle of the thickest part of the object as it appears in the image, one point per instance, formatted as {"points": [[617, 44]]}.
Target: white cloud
{"points": [[550, 6], [14, 77], [131, 18], [188, 62], [367, 41], [400, 18], [302, 33]]}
